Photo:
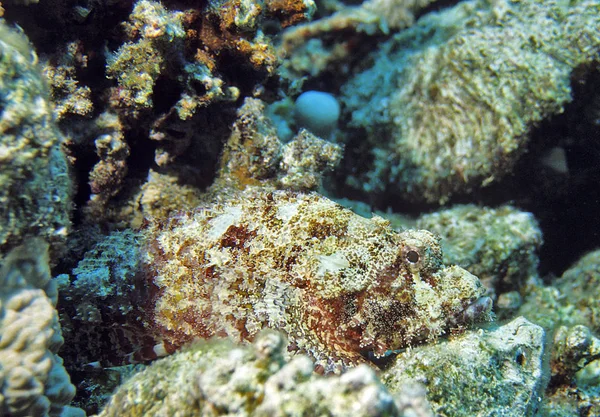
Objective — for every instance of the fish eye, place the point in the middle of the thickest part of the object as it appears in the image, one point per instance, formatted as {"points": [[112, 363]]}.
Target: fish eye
{"points": [[412, 256]]}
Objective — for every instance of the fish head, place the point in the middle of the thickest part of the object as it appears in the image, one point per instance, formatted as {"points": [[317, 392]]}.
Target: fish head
{"points": [[415, 298]]}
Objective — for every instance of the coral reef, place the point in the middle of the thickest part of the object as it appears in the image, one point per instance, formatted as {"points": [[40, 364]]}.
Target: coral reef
{"points": [[339, 285], [160, 38], [458, 92], [498, 371], [499, 245], [219, 379], [575, 384], [254, 154], [199, 235], [572, 299], [569, 308], [35, 188], [66, 94], [33, 379], [330, 44], [167, 82]]}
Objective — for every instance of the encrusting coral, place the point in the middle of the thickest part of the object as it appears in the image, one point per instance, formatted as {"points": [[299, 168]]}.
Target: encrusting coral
{"points": [[35, 187]]}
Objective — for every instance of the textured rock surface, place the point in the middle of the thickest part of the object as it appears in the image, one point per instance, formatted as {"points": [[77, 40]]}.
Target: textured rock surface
{"points": [[489, 372], [449, 102], [575, 374], [572, 299], [35, 189], [218, 379], [499, 245]]}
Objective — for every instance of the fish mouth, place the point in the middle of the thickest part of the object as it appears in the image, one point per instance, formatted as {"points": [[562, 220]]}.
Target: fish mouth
{"points": [[479, 310]]}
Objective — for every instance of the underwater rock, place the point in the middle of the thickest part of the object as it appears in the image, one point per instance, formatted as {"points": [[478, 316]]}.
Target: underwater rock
{"points": [[339, 285], [35, 187], [499, 245], [331, 44], [574, 386], [217, 378], [33, 381], [569, 309], [255, 155], [492, 372], [449, 102], [107, 176], [157, 37], [572, 299]]}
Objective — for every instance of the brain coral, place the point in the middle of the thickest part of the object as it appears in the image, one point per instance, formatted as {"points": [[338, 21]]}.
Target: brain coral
{"points": [[449, 102], [33, 381]]}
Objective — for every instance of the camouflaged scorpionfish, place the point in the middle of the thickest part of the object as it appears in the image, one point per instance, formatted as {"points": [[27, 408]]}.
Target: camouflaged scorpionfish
{"points": [[339, 285]]}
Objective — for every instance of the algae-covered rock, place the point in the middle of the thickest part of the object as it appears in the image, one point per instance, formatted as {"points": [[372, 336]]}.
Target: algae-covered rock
{"points": [[35, 189], [575, 374], [572, 299], [254, 154], [496, 372], [499, 245], [219, 379], [448, 103], [137, 65]]}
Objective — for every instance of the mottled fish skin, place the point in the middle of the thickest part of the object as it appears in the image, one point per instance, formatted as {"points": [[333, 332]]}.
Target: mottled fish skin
{"points": [[338, 284]]}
